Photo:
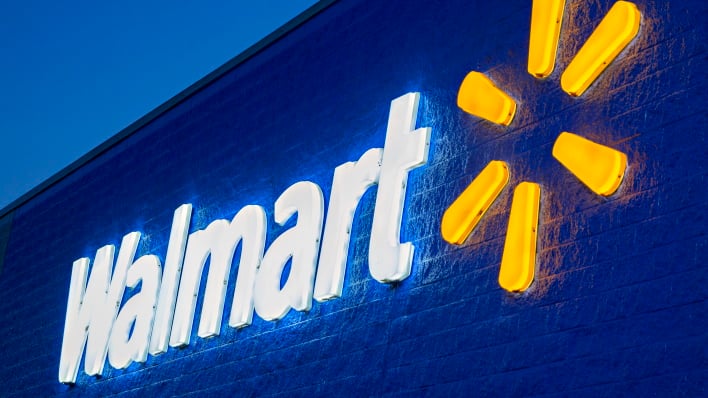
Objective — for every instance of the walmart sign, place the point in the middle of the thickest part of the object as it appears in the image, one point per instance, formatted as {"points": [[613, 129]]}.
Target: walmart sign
{"points": [[162, 313]]}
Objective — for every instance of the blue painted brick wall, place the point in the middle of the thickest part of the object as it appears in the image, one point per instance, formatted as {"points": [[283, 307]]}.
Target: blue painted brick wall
{"points": [[618, 306]]}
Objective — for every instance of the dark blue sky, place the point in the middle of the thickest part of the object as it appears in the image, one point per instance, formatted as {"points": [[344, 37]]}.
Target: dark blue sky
{"points": [[72, 74]]}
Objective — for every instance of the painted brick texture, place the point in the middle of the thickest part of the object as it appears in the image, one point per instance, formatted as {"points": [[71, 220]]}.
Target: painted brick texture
{"points": [[618, 306]]}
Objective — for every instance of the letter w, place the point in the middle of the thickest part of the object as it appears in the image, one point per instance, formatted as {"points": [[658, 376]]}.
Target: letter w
{"points": [[92, 308]]}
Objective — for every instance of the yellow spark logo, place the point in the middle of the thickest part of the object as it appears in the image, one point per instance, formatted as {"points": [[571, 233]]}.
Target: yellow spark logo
{"points": [[599, 167]]}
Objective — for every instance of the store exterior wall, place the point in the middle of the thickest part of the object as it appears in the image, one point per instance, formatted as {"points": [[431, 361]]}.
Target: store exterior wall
{"points": [[617, 306]]}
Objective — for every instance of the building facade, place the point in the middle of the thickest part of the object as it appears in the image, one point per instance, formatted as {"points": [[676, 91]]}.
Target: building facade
{"points": [[324, 160]]}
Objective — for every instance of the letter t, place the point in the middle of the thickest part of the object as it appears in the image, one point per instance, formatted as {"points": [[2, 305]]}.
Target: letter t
{"points": [[404, 149]]}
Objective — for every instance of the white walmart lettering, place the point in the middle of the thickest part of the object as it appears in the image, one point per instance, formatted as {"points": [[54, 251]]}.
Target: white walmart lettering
{"points": [[162, 313]]}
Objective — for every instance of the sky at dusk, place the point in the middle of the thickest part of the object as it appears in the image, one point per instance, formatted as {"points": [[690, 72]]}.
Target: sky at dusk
{"points": [[73, 74]]}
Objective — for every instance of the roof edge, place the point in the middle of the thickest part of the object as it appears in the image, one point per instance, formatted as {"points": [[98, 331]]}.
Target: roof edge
{"points": [[244, 56]]}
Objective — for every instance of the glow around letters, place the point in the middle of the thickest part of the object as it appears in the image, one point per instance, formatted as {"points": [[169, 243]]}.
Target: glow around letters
{"points": [[162, 313]]}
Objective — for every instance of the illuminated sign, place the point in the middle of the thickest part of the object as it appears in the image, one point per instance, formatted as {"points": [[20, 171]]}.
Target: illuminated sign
{"points": [[162, 313], [599, 167]]}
